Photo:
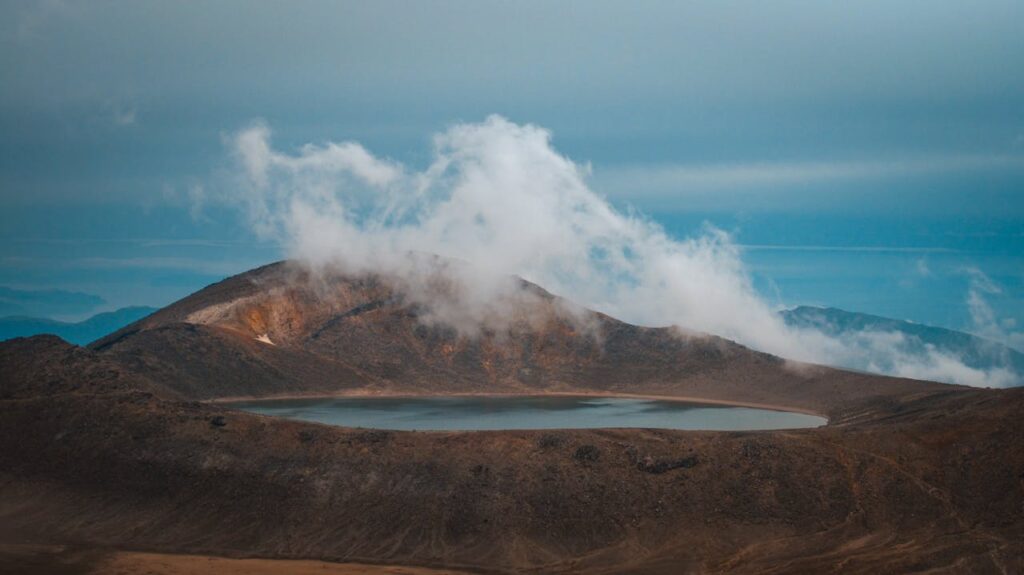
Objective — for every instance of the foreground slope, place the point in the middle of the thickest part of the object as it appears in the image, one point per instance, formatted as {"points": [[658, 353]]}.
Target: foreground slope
{"points": [[282, 329], [97, 454]]}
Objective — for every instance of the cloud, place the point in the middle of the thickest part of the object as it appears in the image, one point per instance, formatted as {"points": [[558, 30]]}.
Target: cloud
{"points": [[922, 269], [855, 249], [498, 195], [253, 148], [682, 179], [124, 116], [983, 318], [896, 353], [195, 265], [45, 302], [163, 263], [31, 18]]}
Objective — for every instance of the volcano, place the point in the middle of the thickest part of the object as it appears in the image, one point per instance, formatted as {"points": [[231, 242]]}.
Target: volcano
{"points": [[286, 330], [124, 446]]}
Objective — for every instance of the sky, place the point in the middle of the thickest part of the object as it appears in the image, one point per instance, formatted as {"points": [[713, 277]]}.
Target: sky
{"points": [[868, 156]]}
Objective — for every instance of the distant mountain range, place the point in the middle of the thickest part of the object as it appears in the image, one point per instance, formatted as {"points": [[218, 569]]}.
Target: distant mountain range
{"points": [[49, 302], [975, 352], [79, 333]]}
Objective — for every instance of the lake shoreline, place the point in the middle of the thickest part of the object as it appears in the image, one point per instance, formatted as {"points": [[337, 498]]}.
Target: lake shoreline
{"points": [[524, 412], [362, 394]]}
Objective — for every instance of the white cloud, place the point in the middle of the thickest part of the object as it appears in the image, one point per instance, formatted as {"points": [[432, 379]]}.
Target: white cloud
{"points": [[124, 116], [895, 353], [31, 19], [922, 269], [499, 196], [651, 181], [195, 265], [983, 318]]}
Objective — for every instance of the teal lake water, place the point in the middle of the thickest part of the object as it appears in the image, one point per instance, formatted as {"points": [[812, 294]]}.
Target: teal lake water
{"points": [[525, 412]]}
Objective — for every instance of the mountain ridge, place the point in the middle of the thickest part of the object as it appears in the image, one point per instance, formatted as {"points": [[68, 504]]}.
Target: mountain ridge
{"points": [[362, 332]]}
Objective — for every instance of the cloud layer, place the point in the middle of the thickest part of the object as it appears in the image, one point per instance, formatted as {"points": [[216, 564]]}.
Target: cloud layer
{"points": [[498, 195]]}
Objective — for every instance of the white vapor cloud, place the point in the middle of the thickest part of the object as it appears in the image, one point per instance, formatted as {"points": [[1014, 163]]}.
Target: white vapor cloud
{"points": [[692, 180], [498, 195], [983, 317], [892, 352], [125, 116]]}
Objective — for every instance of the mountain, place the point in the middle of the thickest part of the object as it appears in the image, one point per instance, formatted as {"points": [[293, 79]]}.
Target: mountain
{"points": [[917, 339], [123, 445], [79, 333], [45, 302], [281, 329]]}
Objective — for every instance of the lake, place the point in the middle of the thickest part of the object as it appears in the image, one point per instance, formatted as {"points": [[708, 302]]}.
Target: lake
{"points": [[525, 412]]}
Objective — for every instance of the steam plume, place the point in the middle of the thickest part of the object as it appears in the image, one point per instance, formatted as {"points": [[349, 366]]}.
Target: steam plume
{"points": [[498, 195]]}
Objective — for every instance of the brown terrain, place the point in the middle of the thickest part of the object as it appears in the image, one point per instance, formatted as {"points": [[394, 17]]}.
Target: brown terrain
{"points": [[118, 458]]}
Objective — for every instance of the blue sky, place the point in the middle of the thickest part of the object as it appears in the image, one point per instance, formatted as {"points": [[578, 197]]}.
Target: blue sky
{"points": [[851, 146]]}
